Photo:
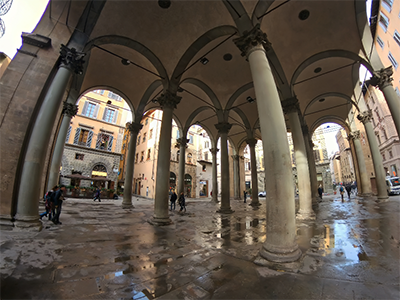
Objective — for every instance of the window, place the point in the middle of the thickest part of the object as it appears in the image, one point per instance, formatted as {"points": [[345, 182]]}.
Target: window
{"points": [[397, 91], [396, 37], [90, 109], [146, 122], [104, 141], [387, 4], [383, 21], [101, 92], [79, 156], [148, 154], [123, 147], [177, 155], [392, 60], [144, 137], [317, 155], [206, 156], [390, 154], [206, 144], [190, 138], [380, 42], [138, 140], [110, 115], [189, 158], [384, 133], [204, 168], [114, 96], [142, 156], [68, 134], [151, 134], [378, 137], [83, 137], [136, 158], [177, 134], [383, 157], [377, 114]]}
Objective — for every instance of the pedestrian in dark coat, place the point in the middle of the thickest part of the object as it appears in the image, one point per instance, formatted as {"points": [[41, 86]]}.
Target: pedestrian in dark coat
{"points": [[48, 204], [348, 189], [320, 191], [244, 196], [58, 201], [174, 196], [97, 195], [181, 202]]}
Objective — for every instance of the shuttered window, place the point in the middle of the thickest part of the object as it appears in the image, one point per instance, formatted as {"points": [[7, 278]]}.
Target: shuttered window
{"points": [[110, 115], [68, 134], [83, 137], [90, 110]]}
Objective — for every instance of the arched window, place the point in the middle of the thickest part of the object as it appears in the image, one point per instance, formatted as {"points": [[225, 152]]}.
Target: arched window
{"points": [[177, 155], [172, 181], [99, 171], [189, 158]]}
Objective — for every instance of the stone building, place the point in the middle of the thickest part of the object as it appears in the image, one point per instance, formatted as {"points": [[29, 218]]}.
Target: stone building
{"points": [[347, 173]]}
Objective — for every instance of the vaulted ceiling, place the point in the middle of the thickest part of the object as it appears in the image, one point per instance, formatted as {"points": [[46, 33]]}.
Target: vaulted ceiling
{"points": [[317, 47]]}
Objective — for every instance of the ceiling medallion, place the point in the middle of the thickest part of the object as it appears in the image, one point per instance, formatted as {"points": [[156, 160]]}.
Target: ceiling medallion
{"points": [[227, 57], [304, 14], [317, 70], [164, 3]]}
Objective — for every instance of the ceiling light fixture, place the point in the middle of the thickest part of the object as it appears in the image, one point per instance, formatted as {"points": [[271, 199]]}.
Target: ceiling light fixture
{"points": [[164, 3], [304, 14], [321, 100], [204, 60], [125, 62], [250, 99]]}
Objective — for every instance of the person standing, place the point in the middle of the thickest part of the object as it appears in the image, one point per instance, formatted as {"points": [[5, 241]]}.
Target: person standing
{"points": [[244, 196], [348, 189], [58, 200], [173, 198], [320, 191], [341, 189], [181, 202], [48, 204]]}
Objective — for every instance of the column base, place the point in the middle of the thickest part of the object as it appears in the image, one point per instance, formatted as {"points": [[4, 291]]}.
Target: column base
{"points": [[6, 222], [225, 211], [365, 195], [283, 256], [160, 221], [286, 266], [127, 205], [255, 203], [215, 200], [23, 223], [382, 199], [302, 215]]}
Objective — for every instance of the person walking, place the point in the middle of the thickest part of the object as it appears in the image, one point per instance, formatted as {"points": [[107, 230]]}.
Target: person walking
{"points": [[341, 190], [348, 189], [97, 195], [244, 196], [320, 191], [58, 201], [181, 202], [48, 204], [173, 198]]}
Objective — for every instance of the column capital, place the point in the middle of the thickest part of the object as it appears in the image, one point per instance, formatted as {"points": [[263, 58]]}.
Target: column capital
{"points": [[214, 151], [71, 59], [250, 39], [236, 157], [69, 109], [169, 100], [354, 135], [134, 128], [223, 127], [382, 78], [365, 116], [251, 142], [182, 141], [290, 105]]}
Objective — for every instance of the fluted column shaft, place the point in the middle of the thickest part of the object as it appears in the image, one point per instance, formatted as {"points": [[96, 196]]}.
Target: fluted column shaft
{"points": [[182, 160], [291, 108], [223, 129], [236, 176], [214, 175], [364, 176], [29, 190], [168, 102], [254, 178], [280, 244], [69, 111], [365, 118], [134, 129]]}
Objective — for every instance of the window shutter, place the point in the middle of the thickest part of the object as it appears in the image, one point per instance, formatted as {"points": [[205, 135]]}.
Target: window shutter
{"points": [[85, 106], [105, 113], [96, 111], [77, 134], [89, 139], [110, 143], [98, 142], [115, 117], [68, 134]]}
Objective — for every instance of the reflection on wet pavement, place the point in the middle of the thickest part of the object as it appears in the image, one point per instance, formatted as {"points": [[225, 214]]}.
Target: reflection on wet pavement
{"points": [[102, 251]]}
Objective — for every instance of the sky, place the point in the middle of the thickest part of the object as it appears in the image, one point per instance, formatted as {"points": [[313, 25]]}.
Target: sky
{"points": [[23, 16]]}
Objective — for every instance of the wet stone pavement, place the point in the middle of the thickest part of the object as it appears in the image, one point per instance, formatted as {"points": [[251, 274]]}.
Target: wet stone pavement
{"points": [[104, 252]]}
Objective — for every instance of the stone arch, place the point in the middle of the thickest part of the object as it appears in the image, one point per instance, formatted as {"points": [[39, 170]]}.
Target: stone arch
{"points": [[329, 119]]}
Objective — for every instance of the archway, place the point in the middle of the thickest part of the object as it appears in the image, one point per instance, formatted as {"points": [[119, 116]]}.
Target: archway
{"points": [[172, 182], [188, 186]]}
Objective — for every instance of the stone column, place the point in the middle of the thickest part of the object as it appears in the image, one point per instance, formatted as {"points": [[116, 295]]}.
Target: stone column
{"points": [[182, 161], [69, 111], [223, 129], [383, 79], [134, 129], [280, 244], [214, 175], [291, 108], [254, 178], [27, 215], [236, 176], [168, 102], [365, 118], [365, 184], [311, 164]]}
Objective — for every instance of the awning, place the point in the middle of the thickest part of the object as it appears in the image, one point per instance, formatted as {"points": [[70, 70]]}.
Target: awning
{"points": [[77, 176]]}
